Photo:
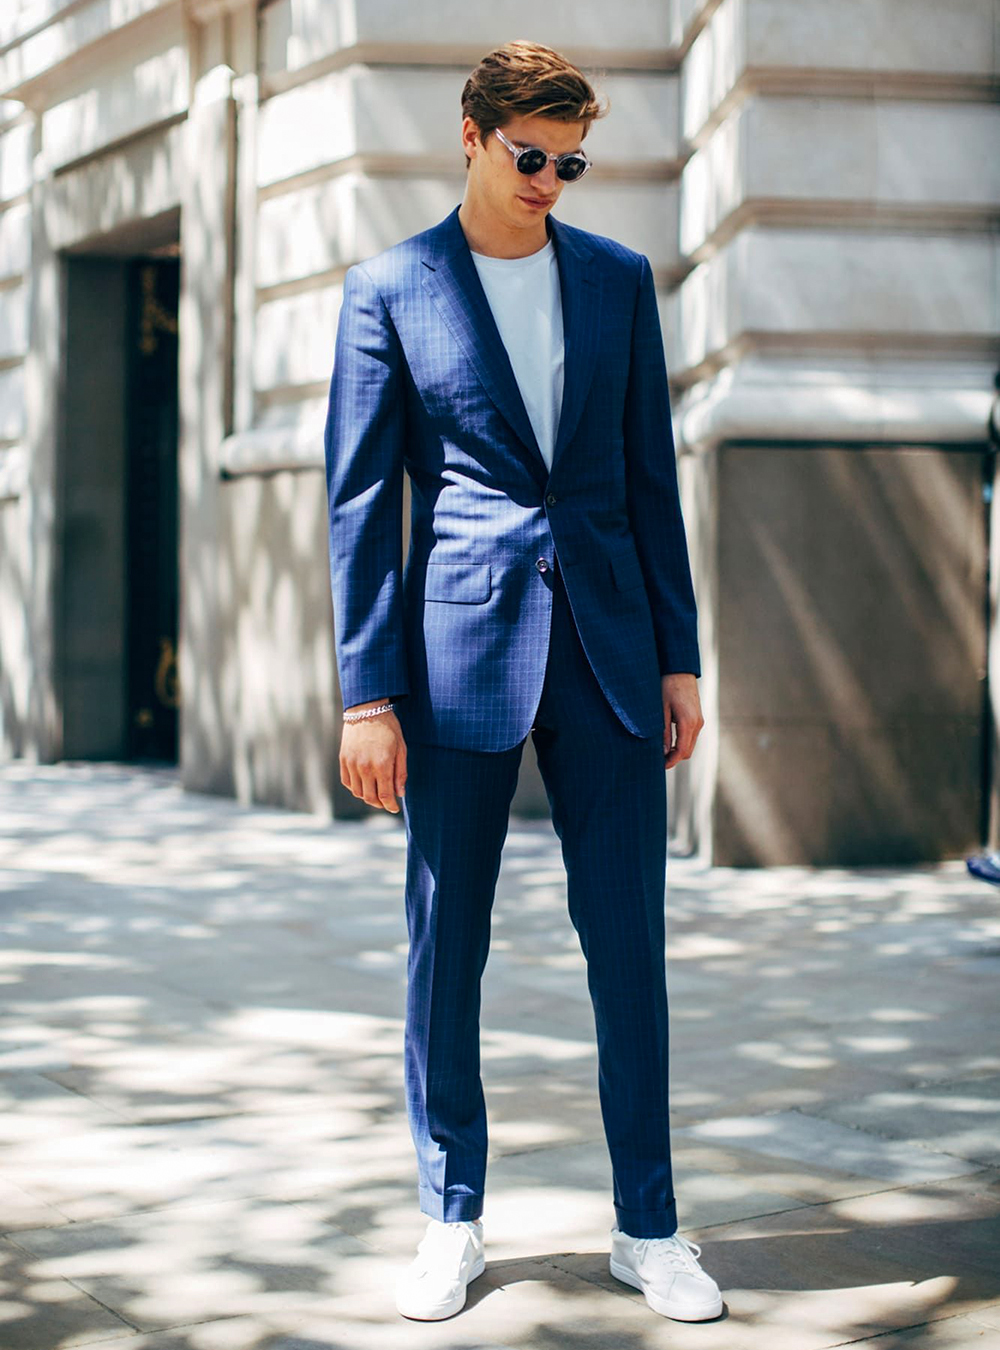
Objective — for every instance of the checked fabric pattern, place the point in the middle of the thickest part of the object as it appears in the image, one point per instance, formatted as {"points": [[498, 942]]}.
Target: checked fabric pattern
{"points": [[422, 383]]}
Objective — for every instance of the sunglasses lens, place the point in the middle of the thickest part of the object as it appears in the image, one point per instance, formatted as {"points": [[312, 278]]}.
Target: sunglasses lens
{"points": [[573, 167], [531, 161]]}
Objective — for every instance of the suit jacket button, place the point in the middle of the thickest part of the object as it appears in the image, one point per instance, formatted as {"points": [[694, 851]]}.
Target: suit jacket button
{"points": [[551, 499], [542, 565]]}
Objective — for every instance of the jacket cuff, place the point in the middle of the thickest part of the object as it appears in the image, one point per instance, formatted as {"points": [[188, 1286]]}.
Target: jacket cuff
{"points": [[372, 687], [683, 659]]}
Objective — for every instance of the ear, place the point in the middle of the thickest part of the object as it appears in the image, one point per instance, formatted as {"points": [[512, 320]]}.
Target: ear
{"points": [[471, 139]]}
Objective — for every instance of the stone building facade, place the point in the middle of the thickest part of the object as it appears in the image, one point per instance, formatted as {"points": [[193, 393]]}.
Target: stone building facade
{"points": [[817, 186]]}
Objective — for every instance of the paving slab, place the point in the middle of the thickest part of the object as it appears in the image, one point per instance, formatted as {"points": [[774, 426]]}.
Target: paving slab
{"points": [[953, 1333], [203, 1137], [715, 1183], [187, 1263], [52, 1312], [810, 1139], [959, 1118]]}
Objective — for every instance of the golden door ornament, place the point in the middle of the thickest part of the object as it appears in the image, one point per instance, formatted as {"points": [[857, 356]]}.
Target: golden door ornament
{"points": [[167, 682], [154, 316]]}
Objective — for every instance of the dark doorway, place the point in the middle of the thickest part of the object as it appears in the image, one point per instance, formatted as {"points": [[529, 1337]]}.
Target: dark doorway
{"points": [[152, 694], [118, 501]]}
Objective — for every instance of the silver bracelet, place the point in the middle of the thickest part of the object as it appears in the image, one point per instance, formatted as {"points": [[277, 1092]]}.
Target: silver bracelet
{"points": [[367, 712]]}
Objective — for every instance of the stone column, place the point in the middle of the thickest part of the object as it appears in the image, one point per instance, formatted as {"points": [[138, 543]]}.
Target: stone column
{"points": [[992, 672], [209, 681], [833, 343], [42, 737]]}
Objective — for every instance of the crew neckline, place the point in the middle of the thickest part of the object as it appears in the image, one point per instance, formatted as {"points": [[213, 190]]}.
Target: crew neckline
{"points": [[526, 259]]}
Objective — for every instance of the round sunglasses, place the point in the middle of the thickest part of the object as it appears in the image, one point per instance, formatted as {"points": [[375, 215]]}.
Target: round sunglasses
{"points": [[532, 159]]}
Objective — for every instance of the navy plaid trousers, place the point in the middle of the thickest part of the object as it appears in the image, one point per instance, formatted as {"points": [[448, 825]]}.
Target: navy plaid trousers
{"points": [[607, 790]]}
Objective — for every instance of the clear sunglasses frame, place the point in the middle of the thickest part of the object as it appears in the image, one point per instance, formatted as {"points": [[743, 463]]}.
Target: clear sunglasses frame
{"points": [[517, 151]]}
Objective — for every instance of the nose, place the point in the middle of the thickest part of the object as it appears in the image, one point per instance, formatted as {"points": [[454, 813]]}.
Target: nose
{"points": [[545, 182]]}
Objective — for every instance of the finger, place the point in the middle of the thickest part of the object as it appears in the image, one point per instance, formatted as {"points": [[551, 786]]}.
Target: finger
{"points": [[369, 783], [686, 734], [668, 729], [386, 795], [354, 781], [670, 748], [684, 744], [401, 770]]}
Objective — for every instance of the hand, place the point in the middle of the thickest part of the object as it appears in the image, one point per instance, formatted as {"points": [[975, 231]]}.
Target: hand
{"points": [[681, 708], [373, 758]]}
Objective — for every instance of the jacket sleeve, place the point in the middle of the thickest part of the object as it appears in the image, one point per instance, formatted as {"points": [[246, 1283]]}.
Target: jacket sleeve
{"points": [[364, 441], [651, 490]]}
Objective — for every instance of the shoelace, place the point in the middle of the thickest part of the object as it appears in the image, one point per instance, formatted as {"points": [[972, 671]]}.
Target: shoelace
{"points": [[675, 1251]]}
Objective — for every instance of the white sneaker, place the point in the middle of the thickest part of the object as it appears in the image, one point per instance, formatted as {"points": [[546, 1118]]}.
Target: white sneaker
{"points": [[450, 1256], [666, 1271]]}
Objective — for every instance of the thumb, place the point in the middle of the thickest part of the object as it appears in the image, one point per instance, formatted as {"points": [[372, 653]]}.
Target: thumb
{"points": [[668, 727]]}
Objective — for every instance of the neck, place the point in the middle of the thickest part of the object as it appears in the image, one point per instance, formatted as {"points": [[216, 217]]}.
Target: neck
{"points": [[486, 233]]}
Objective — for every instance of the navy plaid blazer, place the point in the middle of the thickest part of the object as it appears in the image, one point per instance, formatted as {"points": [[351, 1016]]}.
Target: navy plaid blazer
{"points": [[422, 382]]}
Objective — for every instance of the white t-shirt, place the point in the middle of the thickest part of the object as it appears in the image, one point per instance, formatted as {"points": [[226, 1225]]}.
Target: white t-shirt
{"points": [[526, 304]]}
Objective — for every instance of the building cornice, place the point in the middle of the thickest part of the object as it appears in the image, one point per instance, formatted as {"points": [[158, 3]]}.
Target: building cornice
{"points": [[842, 409], [36, 70], [205, 11]]}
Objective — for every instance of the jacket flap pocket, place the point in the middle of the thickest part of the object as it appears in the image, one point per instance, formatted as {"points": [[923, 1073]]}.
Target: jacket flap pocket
{"points": [[460, 582], [626, 569]]}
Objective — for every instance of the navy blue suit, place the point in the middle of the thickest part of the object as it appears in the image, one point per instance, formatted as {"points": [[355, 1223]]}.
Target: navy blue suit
{"points": [[532, 601]]}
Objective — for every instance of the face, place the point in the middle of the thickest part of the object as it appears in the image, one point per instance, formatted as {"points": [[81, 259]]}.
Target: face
{"points": [[520, 200]]}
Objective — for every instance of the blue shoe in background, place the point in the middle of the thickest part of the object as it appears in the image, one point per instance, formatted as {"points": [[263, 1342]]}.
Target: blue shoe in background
{"points": [[985, 866]]}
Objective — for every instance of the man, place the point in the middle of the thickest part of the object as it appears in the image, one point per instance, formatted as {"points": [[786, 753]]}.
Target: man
{"points": [[513, 366]]}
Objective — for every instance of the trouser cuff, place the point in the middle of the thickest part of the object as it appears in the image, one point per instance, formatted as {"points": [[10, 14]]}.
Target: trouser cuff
{"points": [[450, 1208], [640, 1223]]}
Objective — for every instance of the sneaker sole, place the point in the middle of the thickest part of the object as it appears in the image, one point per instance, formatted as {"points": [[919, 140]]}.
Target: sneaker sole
{"points": [[445, 1309], [663, 1306]]}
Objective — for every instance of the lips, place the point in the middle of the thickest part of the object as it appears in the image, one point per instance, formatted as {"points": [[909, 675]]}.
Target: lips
{"points": [[537, 201]]}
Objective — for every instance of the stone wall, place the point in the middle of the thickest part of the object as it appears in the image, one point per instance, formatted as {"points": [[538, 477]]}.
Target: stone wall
{"points": [[817, 188]]}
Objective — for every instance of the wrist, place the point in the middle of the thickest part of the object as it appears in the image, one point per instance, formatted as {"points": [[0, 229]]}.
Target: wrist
{"points": [[363, 712]]}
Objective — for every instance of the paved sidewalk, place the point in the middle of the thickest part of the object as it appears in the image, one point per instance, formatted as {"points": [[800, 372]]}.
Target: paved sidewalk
{"points": [[203, 1139]]}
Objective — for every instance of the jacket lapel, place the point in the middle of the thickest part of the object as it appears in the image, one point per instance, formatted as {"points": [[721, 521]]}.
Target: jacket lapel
{"points": [[450, 276], [451, 279], [581, 307]]}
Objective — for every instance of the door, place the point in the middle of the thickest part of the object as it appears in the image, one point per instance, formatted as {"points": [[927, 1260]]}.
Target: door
{"points": [[152, 693]]}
